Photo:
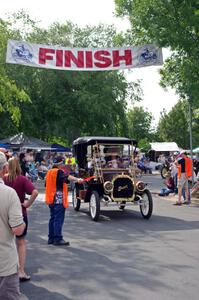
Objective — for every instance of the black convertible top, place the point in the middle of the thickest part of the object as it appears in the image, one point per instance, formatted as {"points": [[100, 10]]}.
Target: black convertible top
{"points": [[80, 146], [91, 140]]}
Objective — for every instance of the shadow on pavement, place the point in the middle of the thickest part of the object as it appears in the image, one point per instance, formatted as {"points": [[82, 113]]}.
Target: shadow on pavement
{"points": [[106, 259], [40, 293]]}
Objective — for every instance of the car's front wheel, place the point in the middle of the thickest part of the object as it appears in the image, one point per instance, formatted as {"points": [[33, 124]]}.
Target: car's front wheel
{"points": [[94, 206], [146, 204], [76, 201]]}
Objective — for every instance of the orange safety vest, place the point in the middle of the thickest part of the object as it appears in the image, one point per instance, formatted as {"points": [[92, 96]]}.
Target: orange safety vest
{"points": [[188, 167], [51, 189]]}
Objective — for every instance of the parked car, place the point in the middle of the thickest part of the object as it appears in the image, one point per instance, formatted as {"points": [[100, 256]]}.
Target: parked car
{"points": [[107, 166]]}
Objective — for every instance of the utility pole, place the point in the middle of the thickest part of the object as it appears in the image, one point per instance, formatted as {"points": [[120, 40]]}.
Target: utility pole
{"points": [[191, 137]]}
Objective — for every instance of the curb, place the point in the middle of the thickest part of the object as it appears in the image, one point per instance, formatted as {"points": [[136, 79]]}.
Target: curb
{"points": [[23, 297], [173, 198]]}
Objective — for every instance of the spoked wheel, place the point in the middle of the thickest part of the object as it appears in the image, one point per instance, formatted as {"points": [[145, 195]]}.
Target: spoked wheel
{"points": [[76, 201], [94, 206], [122, 205], [163, 172], [146, 204]]}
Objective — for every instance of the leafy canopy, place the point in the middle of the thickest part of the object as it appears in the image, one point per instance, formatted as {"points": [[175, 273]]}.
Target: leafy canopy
{"points": [[173, 24], [64, 105]]}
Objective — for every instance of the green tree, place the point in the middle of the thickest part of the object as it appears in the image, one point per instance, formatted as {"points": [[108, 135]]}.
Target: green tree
{"points": [[68, 104], [140, 125], [11, 96], [173, 126], [173, 24]]}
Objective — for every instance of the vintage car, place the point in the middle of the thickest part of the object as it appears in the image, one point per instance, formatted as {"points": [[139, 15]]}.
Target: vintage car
{"points": [[106, 165]]}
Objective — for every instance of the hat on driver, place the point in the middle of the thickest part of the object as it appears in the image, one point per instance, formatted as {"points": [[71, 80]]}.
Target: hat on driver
{"points": [[58, 160]]}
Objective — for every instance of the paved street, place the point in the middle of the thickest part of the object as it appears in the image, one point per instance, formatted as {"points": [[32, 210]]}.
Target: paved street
{"points": [[121, 257]]}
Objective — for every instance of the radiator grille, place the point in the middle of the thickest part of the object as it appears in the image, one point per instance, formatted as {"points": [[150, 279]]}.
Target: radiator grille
{"points": [[123, 188]]}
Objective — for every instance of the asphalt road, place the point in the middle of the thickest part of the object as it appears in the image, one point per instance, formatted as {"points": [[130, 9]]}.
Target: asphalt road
{"points": [[121, 257]]}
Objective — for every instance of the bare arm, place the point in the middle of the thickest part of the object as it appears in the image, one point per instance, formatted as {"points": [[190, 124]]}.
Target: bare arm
{"points": [[15, 218], [28, 203], [75, 179], [18, 230]]}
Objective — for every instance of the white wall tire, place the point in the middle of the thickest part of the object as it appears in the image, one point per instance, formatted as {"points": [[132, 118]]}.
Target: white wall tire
{"points": [[146, 205], [94, 206]]}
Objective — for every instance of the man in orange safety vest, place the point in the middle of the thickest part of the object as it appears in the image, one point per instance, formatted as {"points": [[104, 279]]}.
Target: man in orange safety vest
{"points": [[57, 199], [184, 165]]}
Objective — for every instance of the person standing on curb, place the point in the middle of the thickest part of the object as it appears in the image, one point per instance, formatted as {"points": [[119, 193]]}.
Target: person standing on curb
{"points": [[11, 224], [184, 172], [57, 199], [22, 185]]}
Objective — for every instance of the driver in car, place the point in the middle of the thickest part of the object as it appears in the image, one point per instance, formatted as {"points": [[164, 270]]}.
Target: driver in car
{"points": [[114, 160]]}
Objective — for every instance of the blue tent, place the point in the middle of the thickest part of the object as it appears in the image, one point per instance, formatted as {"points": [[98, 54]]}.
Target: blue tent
{"points": [[59, 148], [20, 140], [6, 146]]}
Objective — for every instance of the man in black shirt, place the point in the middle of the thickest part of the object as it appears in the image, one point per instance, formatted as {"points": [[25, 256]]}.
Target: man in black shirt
{"points": [[57, 199], [182, 177]]}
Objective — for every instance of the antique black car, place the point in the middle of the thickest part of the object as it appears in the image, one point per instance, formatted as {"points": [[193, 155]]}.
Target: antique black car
{"points": [[107, 166]]}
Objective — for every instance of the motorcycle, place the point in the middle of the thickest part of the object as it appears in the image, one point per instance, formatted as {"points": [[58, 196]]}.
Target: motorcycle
{"points": [[164, 169]]}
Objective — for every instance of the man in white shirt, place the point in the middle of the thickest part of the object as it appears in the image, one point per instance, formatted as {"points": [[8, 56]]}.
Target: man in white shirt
{"points": [[11, 224]]}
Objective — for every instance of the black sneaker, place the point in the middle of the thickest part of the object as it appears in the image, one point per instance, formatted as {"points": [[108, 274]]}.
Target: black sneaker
{"points": [[50, 242], [178, 203], [61, 243]]}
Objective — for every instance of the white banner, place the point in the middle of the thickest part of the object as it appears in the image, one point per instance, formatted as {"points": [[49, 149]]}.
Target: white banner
{"points": [[82, 59]]}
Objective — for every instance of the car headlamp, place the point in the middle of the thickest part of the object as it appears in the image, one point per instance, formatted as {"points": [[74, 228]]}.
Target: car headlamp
{"points": [[108, 186], [140, 186]]}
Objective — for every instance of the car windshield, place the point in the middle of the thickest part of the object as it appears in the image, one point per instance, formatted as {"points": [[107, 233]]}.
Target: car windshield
{"points": [[109, 156]]}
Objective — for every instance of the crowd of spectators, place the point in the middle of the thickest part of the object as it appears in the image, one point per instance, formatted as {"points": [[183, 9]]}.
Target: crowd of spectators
{"points": [[35, 165], [17, 194], [142, 164], [171, 181], [173, 178]]}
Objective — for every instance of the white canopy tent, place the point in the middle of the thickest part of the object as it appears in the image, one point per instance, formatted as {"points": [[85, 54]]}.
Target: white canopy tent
{"points": [[165, 147], [196, 150]]}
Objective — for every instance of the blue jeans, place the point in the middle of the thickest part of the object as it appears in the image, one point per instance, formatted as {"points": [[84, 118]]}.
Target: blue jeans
{"points": [[57, 215], [165, 192], [175, 179]]}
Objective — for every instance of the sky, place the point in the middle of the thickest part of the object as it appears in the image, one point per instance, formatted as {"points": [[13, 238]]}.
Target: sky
{"points": [[93, 12]]}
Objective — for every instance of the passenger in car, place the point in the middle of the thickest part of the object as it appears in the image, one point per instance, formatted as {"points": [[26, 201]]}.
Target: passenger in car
{"points": [[114, 160], [98, 159]]}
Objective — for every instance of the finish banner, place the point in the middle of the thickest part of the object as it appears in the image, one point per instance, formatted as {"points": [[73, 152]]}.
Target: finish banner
{"points": [[82, 59]]}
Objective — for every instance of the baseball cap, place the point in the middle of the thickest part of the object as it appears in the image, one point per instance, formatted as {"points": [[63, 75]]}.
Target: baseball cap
{"points": [[183, 152], [58, 160]]}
